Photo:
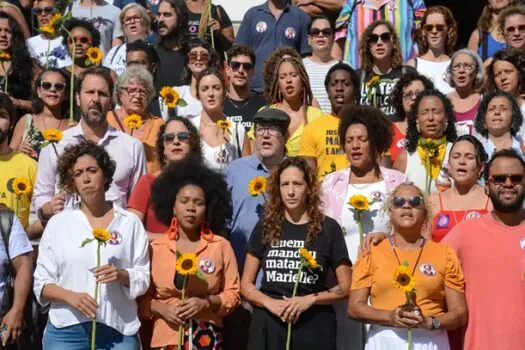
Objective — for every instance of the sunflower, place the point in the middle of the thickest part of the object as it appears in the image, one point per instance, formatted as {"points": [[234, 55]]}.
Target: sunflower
{"points": [[373, 81], [359, 202], [133, 121], [95, 55], [4, 56], [308, 258], [21, 186], [170, 96], [50, 27], [224, 124], [257, 186], [101, 235], [404, 280], [187, 264], [52, 135]]}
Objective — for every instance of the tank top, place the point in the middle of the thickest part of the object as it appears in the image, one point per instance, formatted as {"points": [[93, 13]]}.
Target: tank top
{"points": [[436, 72], [445, 220], [489, 46], [465, 120]]}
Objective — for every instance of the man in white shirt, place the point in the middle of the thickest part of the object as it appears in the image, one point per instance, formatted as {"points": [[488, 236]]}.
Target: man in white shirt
{"points": [[94, 101]]}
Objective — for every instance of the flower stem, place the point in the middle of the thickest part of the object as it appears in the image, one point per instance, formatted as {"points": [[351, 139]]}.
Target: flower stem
{"points": [[47, 52], [289, 333], [94, 322], [56, 152], [360, 226], [181, 327], [428, 175], [211, 29]]}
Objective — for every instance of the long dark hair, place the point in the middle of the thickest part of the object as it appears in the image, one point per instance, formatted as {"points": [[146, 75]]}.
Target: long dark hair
{"points": [[38, 104], [182, 33]]}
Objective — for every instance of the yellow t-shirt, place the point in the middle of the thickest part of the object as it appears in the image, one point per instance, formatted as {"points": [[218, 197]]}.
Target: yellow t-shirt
{"points": [[438, 267], [320, 140], [19, 166], [294, 142]]}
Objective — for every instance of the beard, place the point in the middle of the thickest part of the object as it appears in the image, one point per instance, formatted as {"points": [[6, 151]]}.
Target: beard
{"points": [[506, 207], [93, 118]]}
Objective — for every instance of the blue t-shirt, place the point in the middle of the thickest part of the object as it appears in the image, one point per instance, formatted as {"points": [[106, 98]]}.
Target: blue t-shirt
{"points": [[264, 34]]}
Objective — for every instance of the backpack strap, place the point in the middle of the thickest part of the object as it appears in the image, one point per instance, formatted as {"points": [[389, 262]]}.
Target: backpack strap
{"points": [[6, 223], [115, 54], [485, 45]]}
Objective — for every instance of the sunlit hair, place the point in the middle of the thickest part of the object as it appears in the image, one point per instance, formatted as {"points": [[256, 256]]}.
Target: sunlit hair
{"points": [[271, 63], [365, 55], [194, 140], [509, 11], [146, 21], [273, 216], [387, 206], [511, 55], [517, 118], [139, 75], [478, 81], [275, 95], [452, 30], [485, 19]]}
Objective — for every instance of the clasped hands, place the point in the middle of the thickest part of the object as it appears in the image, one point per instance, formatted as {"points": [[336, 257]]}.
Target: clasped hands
{"points": [[289, 309], [178, 313], [402, 318]]}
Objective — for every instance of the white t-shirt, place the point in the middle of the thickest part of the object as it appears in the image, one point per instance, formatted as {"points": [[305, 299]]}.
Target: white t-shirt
{"points": [[115, 59], [192, 110], [219, 157], [18, 244], [317, 74], [437, 72], [39, 48], [105, 18]]}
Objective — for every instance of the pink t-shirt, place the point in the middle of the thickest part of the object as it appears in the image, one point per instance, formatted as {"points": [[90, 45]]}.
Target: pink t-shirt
{"points": [[493, 260]]}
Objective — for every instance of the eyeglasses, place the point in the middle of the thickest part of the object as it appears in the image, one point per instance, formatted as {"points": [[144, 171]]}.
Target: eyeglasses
{"points": [[326, 32], [500, 180], [39, 10], [409, 95], [512, 29], [182, 136], [132, 19], [272, 130], [134, 90], [198, 56], [413, 202], [430, 27], [465, 66], [385, 37], [46, 85], [79, 40], [245, 66]]}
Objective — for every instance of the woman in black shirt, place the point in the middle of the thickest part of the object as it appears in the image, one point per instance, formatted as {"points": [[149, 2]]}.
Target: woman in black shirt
{"points": [[293, 220]]}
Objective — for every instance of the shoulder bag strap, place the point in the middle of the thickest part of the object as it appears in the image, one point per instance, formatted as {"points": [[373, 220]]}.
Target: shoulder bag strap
{"points": [[6, 223], [485, 43]]}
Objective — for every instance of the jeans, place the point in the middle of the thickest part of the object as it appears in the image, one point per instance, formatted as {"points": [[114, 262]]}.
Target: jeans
{"points": [[78, 337]]}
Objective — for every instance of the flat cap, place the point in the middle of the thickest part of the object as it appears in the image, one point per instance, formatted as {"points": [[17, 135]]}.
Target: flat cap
{"points": [[272, 115]]}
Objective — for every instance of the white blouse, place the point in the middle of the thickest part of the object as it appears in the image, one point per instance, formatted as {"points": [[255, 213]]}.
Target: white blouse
{"points": [[63, 262]]}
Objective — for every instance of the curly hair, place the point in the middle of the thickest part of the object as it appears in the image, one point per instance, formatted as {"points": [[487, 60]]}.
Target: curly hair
{"points": [[191, 171], [513, 56], [397, 93], [486, 17], [479, 150], [36, 101], [74, 22], [354, 78], [273, 216], [377, 124], [365, 55], [181, 32], [412, 128], [21, 73], [240, 50], [452, 30], [69, 157], [214, 61], [517, 118], [272, 62], [274, 93], [194, 140]]}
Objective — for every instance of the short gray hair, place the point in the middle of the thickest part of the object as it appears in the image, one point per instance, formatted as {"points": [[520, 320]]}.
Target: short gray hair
{"points": [[477, 61], [146, 21], [141, 75]]}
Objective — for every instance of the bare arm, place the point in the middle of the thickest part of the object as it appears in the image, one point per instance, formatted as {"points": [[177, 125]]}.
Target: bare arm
{"points": [[401, 162], [246, 146], [18, 133], [456, 315], [83, 302], [337, 49], [473, 42], [330, 5], [227, 36]]}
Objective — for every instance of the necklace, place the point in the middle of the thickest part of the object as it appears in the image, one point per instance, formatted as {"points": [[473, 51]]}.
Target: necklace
{"points": [[421, 246], [45, 126], [240, 105]]}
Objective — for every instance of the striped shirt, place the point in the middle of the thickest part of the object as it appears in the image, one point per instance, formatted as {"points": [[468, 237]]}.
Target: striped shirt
{"points": [[317, 74], [356, 15]]}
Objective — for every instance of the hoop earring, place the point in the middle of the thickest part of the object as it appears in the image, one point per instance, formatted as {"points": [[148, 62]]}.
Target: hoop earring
{"points": [[173, 230], [417, 127], [206, 232]]}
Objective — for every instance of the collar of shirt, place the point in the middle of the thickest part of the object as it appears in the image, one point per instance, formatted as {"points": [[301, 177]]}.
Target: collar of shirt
{"points": [[117, 213], [256, 163], [78, 132], [172, 244]]}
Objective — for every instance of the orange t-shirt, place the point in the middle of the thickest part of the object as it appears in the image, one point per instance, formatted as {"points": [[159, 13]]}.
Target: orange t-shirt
{"points": [[438, 268]]}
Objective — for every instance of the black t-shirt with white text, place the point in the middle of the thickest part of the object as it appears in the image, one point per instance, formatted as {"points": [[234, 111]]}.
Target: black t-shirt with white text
{"points": [[280, 260], [242, 112]]}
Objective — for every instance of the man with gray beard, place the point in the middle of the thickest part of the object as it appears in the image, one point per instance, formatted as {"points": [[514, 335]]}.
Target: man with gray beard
{"points": [[94, 99]]}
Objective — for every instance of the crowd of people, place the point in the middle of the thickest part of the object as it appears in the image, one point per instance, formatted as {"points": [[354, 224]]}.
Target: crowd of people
{"points": [[335, 174]]}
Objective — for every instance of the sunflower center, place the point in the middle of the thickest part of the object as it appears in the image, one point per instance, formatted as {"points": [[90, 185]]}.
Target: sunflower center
{"points": [[258, 186], [403, 280], [187, 264], [22, 187]]}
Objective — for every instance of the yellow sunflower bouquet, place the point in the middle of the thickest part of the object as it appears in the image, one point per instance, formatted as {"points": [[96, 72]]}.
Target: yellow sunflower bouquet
{"points": [[406, 282], [133, 121], [432, 153], [101, 236], [360, 204], [171, 98], [187, 265], [52, 136], [307, 262]]}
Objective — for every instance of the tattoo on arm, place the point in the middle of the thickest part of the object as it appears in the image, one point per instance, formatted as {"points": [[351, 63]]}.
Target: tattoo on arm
{"points": [[337, 290]]}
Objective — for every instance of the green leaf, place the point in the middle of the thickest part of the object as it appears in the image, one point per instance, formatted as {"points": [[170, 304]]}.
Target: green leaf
{"points": [[201, 276], [178, 255], [405, 263], [182, 103], [44, 144], [86, 241]]}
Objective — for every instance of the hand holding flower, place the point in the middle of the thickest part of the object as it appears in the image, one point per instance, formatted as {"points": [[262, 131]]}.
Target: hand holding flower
{"points": [[170, 313], [401, 318], [84, 303], [191, 307], [110, 273], [297, 306]]}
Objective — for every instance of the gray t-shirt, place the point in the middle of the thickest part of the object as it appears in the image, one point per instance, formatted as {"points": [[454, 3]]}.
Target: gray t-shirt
{"points": [[105, 18]]}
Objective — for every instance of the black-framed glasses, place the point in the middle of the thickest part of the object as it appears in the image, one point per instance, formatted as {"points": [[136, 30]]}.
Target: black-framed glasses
{"points": [[500, 180], [413, 202], [46, 85], [132, 19], [182, 136], [385, 37], [465, 66], [272, 130], [245, 65], [326, 32], [134, 91], [40, 10], [430, 27], [200, 56], [409, 95], [512, 29]]}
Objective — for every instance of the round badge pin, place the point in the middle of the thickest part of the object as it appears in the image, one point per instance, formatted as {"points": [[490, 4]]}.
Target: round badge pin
{"points": [[206, 265], [261, 27], [522, 243], [427, 269], [116, 238], [289, 33]]}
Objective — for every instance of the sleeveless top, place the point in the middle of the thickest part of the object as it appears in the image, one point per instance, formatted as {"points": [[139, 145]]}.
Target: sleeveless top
{"points": [[399, 142], [488, 46], [32, 134], [416, 173], [465, 120], [445, 220], [436, 72]]}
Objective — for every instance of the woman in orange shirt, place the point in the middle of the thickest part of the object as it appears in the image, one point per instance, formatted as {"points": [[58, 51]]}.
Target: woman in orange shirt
{"points": [[195, 202], [439, 282]]}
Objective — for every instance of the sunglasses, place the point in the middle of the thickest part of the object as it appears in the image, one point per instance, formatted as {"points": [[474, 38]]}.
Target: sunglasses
{"points": [[413, 202], [79, 40], [245, 66], [181, 136], [501, 180], [203, 56], [326, 32], [385, 37], [39, 10], [46, 85], [512, 29], [430, 27]]}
